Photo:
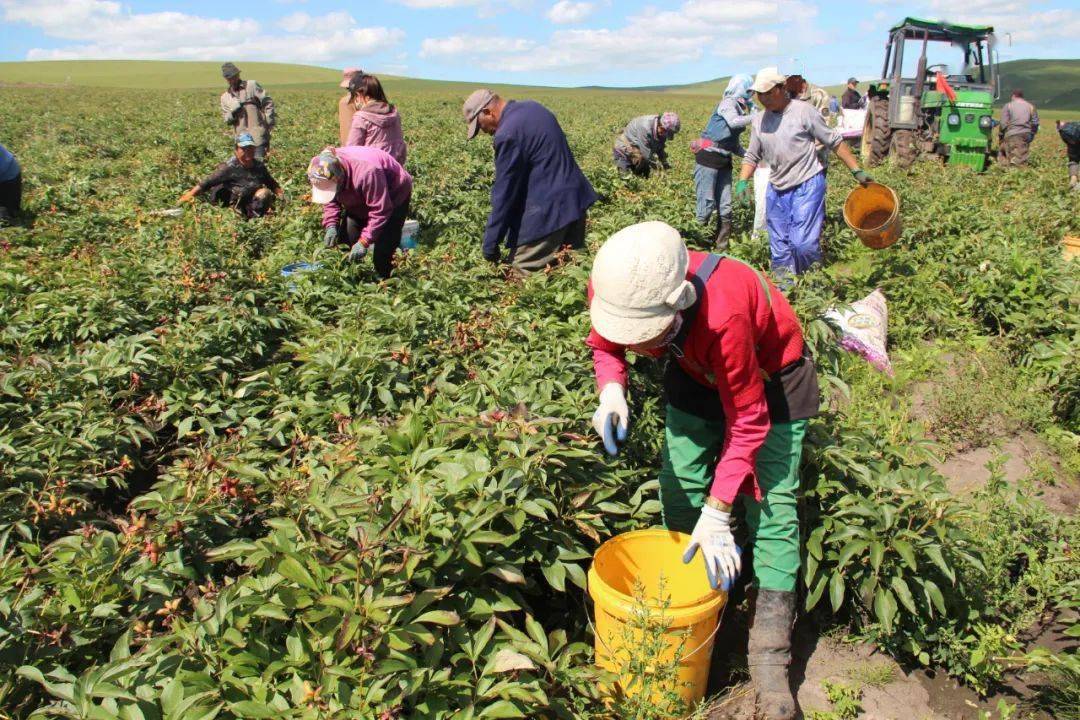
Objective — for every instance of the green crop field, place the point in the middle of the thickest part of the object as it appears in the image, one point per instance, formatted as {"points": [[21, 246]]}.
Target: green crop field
{"points": [[225, 493]]}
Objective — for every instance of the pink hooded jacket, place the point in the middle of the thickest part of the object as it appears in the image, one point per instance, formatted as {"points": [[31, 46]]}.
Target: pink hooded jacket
{"points": [[378, 125]]}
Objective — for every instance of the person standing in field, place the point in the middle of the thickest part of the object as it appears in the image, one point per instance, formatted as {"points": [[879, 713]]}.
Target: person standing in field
{"points": [[242, 182], [365, 194], [641, 145], [246, 108], [713, 154], [851, 100], [345, 108], [10, 187], [1070, 135], [785, 136], [376, 122], [1019, 123], [740, 387], [540, 197]]}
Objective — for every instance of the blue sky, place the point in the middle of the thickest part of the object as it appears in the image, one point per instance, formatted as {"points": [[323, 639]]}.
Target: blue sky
{"points": [[549, 42]]}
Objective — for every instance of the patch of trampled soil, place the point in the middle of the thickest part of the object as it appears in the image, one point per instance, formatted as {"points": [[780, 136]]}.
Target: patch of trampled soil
{"points": [[889, 692], [967, 471]]}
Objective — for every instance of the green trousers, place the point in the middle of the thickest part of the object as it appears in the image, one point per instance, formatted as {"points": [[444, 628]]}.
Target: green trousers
{"points": [[691, 448]]}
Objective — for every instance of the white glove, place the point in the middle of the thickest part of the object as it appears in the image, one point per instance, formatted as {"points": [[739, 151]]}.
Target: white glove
{"points": [[712, 534], [612, 417]]}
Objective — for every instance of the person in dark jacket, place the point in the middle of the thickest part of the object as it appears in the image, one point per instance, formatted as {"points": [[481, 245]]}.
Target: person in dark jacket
{"points": [[1070, 135], [241, 182], [851, 99], [10, 187], [540, 196]]}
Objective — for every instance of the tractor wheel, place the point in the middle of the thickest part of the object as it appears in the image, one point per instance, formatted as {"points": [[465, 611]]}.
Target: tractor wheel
{"points": [[876, 132], [903, 148]]}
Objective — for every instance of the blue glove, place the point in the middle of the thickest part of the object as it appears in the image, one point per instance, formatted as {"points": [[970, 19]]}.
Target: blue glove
{"points": [[862, 177], [330, 238], [492, 257], [712, 536], [358, 251], [612, 417]]}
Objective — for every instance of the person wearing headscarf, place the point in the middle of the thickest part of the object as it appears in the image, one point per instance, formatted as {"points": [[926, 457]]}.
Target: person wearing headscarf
{"points": [[641, 145], [713, 153]]}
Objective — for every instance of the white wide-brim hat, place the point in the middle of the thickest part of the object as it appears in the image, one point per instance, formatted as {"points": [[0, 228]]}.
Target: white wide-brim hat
{"points": [[639, 283], [323, 191]]}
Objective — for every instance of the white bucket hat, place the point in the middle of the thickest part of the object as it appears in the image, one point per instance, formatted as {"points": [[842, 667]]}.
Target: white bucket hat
{"points": [[639, 283], [767, 79]]}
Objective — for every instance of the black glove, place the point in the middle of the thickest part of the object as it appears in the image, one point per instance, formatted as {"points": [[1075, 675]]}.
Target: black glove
{"points": [[492, 257]]}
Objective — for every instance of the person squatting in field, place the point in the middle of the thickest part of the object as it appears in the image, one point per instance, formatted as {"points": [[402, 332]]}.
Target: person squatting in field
{"points": [[1070, 135], [1019, 123], [242, 182], [246, 108], [540, 196], [784, 137], [376, 122], [641, 145], [10, 187], [740, 387], [365, 193], [713, 153]]}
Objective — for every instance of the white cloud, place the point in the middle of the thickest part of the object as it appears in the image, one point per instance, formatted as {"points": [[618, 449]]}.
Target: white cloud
{"points": [[101, 29], [566, 12], [749, 32], [484, 8]]}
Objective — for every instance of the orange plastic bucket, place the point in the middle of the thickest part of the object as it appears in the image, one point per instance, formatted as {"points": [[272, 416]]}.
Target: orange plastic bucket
{"points": [[652, 559], [1070, 247], [873, 212]]}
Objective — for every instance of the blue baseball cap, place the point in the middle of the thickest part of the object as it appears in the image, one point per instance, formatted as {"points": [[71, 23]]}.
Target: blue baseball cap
{"points": [[245, 140]]}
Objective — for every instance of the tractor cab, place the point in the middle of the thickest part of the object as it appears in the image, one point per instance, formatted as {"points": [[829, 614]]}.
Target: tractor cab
{"points": [[937, 87]]}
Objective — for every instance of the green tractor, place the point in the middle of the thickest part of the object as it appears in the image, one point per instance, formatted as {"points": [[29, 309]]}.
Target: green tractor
{"points": [[918, 109]]}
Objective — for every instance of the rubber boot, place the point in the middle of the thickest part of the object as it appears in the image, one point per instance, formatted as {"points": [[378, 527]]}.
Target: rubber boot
{"points": [[769, 653], [723, 232]]}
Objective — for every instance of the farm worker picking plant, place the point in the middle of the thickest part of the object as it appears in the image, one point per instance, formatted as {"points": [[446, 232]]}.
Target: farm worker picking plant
{"points": [[740, 386], [713, 151], [365, 193], [1019, 123], [345, 106], [376, 122], [246, 108], [242, 182], [10, 187], [641, 145], [540, 196], [1070, 134], [784, 136]]}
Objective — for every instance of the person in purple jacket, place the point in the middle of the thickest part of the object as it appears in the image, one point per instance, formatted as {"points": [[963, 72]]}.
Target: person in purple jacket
{"points": [[365, 193], [540, 195]]}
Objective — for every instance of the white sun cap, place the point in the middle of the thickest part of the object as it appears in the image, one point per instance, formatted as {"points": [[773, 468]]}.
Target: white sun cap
{"points": [[639, 283]]}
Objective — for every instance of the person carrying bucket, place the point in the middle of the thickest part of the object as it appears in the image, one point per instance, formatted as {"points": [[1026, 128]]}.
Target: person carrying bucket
{"points": [[740, 387], [784, 136]]}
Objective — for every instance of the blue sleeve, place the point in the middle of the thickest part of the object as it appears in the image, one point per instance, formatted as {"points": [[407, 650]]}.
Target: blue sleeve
{"points": [[731, 115], [509, 182]]}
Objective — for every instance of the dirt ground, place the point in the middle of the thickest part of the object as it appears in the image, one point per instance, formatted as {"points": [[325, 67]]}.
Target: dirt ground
{"points": [[889, 691]]}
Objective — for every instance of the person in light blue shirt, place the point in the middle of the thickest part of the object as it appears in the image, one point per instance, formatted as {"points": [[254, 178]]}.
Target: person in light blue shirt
{"points": [[10, 186]]}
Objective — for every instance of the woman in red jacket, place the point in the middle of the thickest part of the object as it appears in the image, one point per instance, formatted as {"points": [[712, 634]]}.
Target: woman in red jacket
{"points": [[740, 388]]}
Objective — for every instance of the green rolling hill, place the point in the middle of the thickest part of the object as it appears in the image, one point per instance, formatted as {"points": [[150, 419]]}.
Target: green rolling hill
{"points": [[1050, 84]]}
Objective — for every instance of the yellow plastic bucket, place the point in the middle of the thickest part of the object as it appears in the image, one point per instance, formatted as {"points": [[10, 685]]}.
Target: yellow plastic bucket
{"points": [[1070, 247], [650, 557], [873, 212]]}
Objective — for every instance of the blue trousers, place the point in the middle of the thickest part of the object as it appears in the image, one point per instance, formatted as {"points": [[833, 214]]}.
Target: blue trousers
{"points": [[713, 190], [794, 218]]}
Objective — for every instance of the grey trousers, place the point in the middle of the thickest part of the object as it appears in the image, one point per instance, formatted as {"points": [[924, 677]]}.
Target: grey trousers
{"points": [[542, 253]]}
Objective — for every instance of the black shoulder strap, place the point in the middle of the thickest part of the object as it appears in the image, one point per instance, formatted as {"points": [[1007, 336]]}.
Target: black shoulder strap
{"points": [[700, 277]]}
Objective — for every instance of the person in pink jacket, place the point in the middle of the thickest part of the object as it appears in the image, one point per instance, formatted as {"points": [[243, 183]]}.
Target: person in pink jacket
{"points": [[376, 122], [365, 194]]}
